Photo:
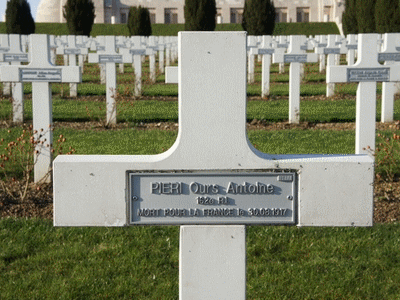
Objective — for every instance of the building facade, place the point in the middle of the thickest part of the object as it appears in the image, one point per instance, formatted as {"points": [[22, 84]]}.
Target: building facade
{"points": [[171, 11]]}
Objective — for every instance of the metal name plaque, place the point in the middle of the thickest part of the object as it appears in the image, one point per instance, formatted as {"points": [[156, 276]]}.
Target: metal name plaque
{"points": [[4, 49], [352, 47], [110, 58], [137, 51], [226, 197], [368, 74], [46, 75], [72, 51], [15, 57], [389, 57], [331, 51], [301, 58], [283, 45], [266, 51]]}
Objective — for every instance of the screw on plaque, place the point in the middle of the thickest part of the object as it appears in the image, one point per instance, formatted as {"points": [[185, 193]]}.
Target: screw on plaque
{"points": [[290, 197], [134, 198]]}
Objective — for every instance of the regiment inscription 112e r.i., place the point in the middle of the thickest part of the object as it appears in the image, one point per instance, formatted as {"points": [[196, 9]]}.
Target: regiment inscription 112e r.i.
{"points": [[211, 198]]}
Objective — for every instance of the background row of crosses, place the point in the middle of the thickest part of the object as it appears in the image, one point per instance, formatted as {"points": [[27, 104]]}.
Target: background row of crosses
{"points": [[40, 59]]}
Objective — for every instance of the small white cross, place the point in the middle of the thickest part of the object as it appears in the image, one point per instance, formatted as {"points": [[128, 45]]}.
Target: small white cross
{"points": [[367, 71], [295, 56], [110, 57], [41, 72]]}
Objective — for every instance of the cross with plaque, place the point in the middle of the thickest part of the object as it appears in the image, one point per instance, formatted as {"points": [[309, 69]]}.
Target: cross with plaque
{"points": [[251, 44], [15, 56], [281, 47], [136, 50], [331, 50], [110, 57], [351, 48], [212, 181], [41, 73], [265, 50], [390, 55], [4, 48], [295, 56], [367, 72], [320, 43], [72, 50], [98, 45]]}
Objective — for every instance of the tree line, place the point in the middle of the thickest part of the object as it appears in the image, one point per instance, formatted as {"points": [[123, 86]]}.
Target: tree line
{"points": [[200, 15], [371, 16]]}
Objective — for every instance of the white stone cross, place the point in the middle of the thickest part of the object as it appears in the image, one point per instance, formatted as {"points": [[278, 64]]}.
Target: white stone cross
{"points": [[332, 49], [151, 50], [98, 44], [110, 57], [72, 50], [213, 177], [321, 42], [281, 47], [15, 56], [136, 50], [265, 50], [390, 55], [251, 44], [295, 56], [367, 72], [41, 72], [4, 48], [351, 47]]}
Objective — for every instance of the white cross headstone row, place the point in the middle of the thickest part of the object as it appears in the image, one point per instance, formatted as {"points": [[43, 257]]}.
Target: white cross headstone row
{"points": [[41, 72], [213, 194], [367, 72]]}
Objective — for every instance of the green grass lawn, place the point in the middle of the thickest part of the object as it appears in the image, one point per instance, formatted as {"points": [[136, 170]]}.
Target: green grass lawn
{"points": [[38, 261], [77, 110]]}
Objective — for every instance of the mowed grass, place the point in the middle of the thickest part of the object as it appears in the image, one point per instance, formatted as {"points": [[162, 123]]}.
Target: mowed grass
{"points": [[136, 111], [39, 261]]}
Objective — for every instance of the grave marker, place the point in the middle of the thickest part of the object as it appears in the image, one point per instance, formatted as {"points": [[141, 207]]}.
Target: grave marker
{"points": [[367, 72], [137, 51], [15, 56], [390, 56], [212, 83], [295, 56], [351, 47], [332, 50], [72, 50], [41, 72], [4, 48], [110, 57], [265, 50]]}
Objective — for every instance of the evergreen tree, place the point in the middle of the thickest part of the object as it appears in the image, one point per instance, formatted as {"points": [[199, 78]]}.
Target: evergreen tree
{"points": [[365, 11], [259, 17], [200, 15], [349, 18], [79, 15], [19, 18], [387, 16], [139, 21]]}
